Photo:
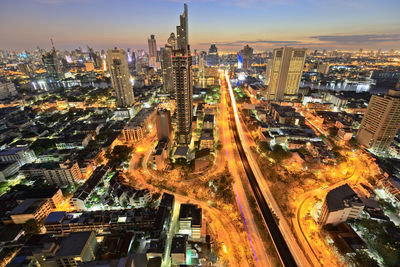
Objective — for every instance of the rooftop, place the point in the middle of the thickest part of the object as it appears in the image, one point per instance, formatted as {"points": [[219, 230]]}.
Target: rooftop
{"points": [[73, 244], [28, 206], [340, 197]]}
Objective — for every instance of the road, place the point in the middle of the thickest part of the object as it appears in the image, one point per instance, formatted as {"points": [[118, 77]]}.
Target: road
{"points": [[315, 248], [220, 225], [286, 244], [236, 169]]}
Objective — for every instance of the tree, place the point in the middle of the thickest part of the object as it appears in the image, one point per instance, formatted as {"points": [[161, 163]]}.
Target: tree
{"points": [[279, 154], [31, 227], [353, 142], [333, 131], [119, 154]]}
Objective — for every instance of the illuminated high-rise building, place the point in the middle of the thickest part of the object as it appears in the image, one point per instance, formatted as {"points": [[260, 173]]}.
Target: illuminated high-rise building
{"points": [[183, 82], [152, 50], [212, 57], [246, 55], [182, 30], [166, 67], [284, 76], [53, 68], [117, 65], [381, 122], [183, 87], [152, 46]]}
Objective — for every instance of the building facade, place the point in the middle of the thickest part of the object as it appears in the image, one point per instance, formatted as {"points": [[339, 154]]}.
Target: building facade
{"points": [[183, 82], [117, 63], [341, 204], [381, 122], [163, 123], [284, 73], [212, 57], [166, 67]]}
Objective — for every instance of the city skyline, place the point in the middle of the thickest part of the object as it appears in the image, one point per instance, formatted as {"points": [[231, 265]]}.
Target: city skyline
{"points": [[262, 24]]}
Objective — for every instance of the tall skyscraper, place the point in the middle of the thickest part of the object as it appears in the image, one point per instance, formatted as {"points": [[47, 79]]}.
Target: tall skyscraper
{"points": [[166, 67], [183, 82], [246, 53], [285, 72], [152, 51], [53, 67], [212, 57], [152, 46], [163, 122], [381, 122], [182, 30], [117, 64]]}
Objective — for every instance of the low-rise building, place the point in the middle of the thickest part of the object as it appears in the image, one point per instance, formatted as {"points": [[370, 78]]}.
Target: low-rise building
{"points": [[392, 186], [208, 121], [22, 155], [83, 193], [8, 169], [190, 221], [124, 194], [178, 250], [36, 209], [53, 194], [140, 125], [77, 141], [61, 222], [341, 204], [47, 250], [206, 139], [55, 173], [160, 154], [345, 133]]}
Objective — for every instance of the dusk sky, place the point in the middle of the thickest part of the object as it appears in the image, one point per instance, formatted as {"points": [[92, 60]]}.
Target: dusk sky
{"points": [[263, 24]]}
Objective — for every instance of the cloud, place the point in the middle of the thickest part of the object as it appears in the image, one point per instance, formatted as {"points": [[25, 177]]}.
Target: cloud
{"points": [[358, 38], [262, 42]]}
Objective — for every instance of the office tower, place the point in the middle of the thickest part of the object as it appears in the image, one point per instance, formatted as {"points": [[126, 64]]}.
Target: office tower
{"points": [[182, 30], [285, 72], [381, 122], [183, 83], [246, 53], [117, 64], [152, 46], [163, 122], [152, 51], [212, 57], [166, 67], [53, 67]]}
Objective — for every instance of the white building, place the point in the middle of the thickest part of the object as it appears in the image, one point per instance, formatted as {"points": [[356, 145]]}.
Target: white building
{"points": [[341, 204]]}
